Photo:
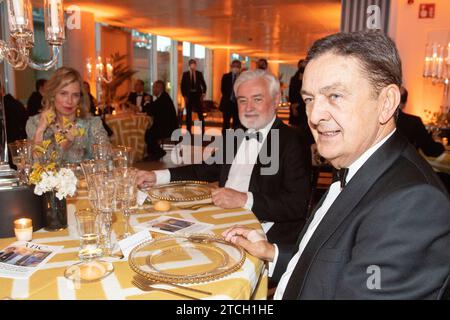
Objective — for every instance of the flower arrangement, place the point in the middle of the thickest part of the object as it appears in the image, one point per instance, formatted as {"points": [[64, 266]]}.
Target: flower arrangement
{"points": [[45, 173]]}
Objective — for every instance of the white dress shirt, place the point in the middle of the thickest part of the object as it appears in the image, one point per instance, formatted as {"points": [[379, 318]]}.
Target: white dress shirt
{"points": [[333, 193], [241, 167], [139, 97]]}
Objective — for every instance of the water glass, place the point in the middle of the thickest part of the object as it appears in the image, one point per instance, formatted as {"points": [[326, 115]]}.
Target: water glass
{"points": [[102, 151], [88, 227]]}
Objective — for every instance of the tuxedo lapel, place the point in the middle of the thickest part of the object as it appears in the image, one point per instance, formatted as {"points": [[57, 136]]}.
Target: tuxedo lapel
{"points": [[225, 170], [256, 172], [347, 200]]}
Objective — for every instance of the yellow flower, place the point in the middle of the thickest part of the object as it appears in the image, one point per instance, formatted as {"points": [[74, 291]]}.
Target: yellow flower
{"points": [[53, 156], [46, 143], [60, 138], [50, 117], [67, 122], [50, 167], [35, 175], [81, 132], [42, 148]]}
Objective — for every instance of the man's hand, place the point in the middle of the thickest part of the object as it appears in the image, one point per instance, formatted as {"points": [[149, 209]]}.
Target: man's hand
{"points": [[252, 240], [145, 179], [228, 198]]}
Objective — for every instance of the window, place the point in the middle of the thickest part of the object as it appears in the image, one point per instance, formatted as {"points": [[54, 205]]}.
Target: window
{"points": [[142, 46], [163, 47]]}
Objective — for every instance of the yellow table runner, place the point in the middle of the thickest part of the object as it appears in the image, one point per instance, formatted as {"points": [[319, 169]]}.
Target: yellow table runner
{"points": [[249, 282]]}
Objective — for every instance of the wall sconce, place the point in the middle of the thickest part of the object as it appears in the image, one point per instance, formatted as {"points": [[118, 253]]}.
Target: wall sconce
{"points": [[436, 68], [20, 16]]}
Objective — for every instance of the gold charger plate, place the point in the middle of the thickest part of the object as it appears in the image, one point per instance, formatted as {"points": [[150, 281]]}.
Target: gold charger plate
{"points": [[186, 259], [182, 191]]}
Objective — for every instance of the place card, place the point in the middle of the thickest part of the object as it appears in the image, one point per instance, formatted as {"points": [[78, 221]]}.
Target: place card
{"points": [[129, 243], [141, 196]]}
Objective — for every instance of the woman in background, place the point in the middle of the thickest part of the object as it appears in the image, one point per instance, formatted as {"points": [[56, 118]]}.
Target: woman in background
{"points": [[65, 119]]}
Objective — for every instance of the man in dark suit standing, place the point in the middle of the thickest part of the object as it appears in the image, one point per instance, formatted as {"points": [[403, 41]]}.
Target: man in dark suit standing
{"points": [[413, 129], [297, 111], [279, 196], [165, 120], [228, 104], [193, 89], [139, 99], [382, 231], [34, 103], [16, 117]]}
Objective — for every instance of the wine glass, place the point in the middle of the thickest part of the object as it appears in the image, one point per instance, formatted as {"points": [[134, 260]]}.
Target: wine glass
{"points": [[105, 188], [121, 156], [21, 153], [126, 194]]}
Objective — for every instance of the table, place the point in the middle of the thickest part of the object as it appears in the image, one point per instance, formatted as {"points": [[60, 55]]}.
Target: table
{"points": [[249, 282], [442, 162], [129, 130]]}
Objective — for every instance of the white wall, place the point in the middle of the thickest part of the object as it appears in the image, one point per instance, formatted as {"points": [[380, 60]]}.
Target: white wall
{"points": [[411, 35]]}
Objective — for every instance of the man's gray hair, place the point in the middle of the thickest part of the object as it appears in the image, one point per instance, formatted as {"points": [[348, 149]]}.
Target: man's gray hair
{"points": [[272, 82]]}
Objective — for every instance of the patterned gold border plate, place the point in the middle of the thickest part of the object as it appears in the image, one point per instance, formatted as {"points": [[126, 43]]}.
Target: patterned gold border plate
{"points": [[182, 191], [186, 259]]}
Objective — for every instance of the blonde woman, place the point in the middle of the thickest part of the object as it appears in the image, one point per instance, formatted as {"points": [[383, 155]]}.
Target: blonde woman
{"points": [[65, 118]]}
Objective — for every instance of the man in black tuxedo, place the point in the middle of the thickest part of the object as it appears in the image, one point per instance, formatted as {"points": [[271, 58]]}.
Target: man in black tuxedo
{"points": [[245, 177], [297, 111], [165, 120], [16, 117], [193, 89], [382, 231], [34, 103], [139, 99], [413, 129], [228, 104]]}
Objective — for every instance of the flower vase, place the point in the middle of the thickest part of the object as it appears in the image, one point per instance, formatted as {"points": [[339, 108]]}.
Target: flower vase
{"points": [[55, 212]]}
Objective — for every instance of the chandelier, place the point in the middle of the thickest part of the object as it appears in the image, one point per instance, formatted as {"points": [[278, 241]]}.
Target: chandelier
{"points": [[101, 75], [437, 68], [20, 16]]}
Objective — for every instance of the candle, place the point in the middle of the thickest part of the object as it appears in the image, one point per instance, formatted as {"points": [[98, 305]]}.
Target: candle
{"points": [[54, 15], [18, 12], [23, 228], [109, 70]]}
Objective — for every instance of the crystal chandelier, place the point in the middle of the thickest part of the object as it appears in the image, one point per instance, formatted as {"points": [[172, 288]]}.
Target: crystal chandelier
{"points": [[100, 70], [437, 68], [20, 15]]}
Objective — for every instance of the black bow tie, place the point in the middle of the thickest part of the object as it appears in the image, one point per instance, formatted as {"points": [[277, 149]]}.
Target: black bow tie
{"points": [[254, 135], [340, 175]]}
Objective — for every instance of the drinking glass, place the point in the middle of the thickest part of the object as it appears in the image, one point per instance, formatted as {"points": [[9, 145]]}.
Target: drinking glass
{"points": [[101, 151], [126, 194], [121, 156], [88, 228], [89, 168], [21, 154], [106, 191], [90, 268]]}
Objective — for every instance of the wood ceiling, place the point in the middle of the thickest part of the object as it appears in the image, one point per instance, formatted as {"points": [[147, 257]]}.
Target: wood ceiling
{"points": [[279, 30]]}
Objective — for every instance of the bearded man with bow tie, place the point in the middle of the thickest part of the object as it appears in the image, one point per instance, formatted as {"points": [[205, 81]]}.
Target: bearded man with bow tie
{"points": [[268, 171]]}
